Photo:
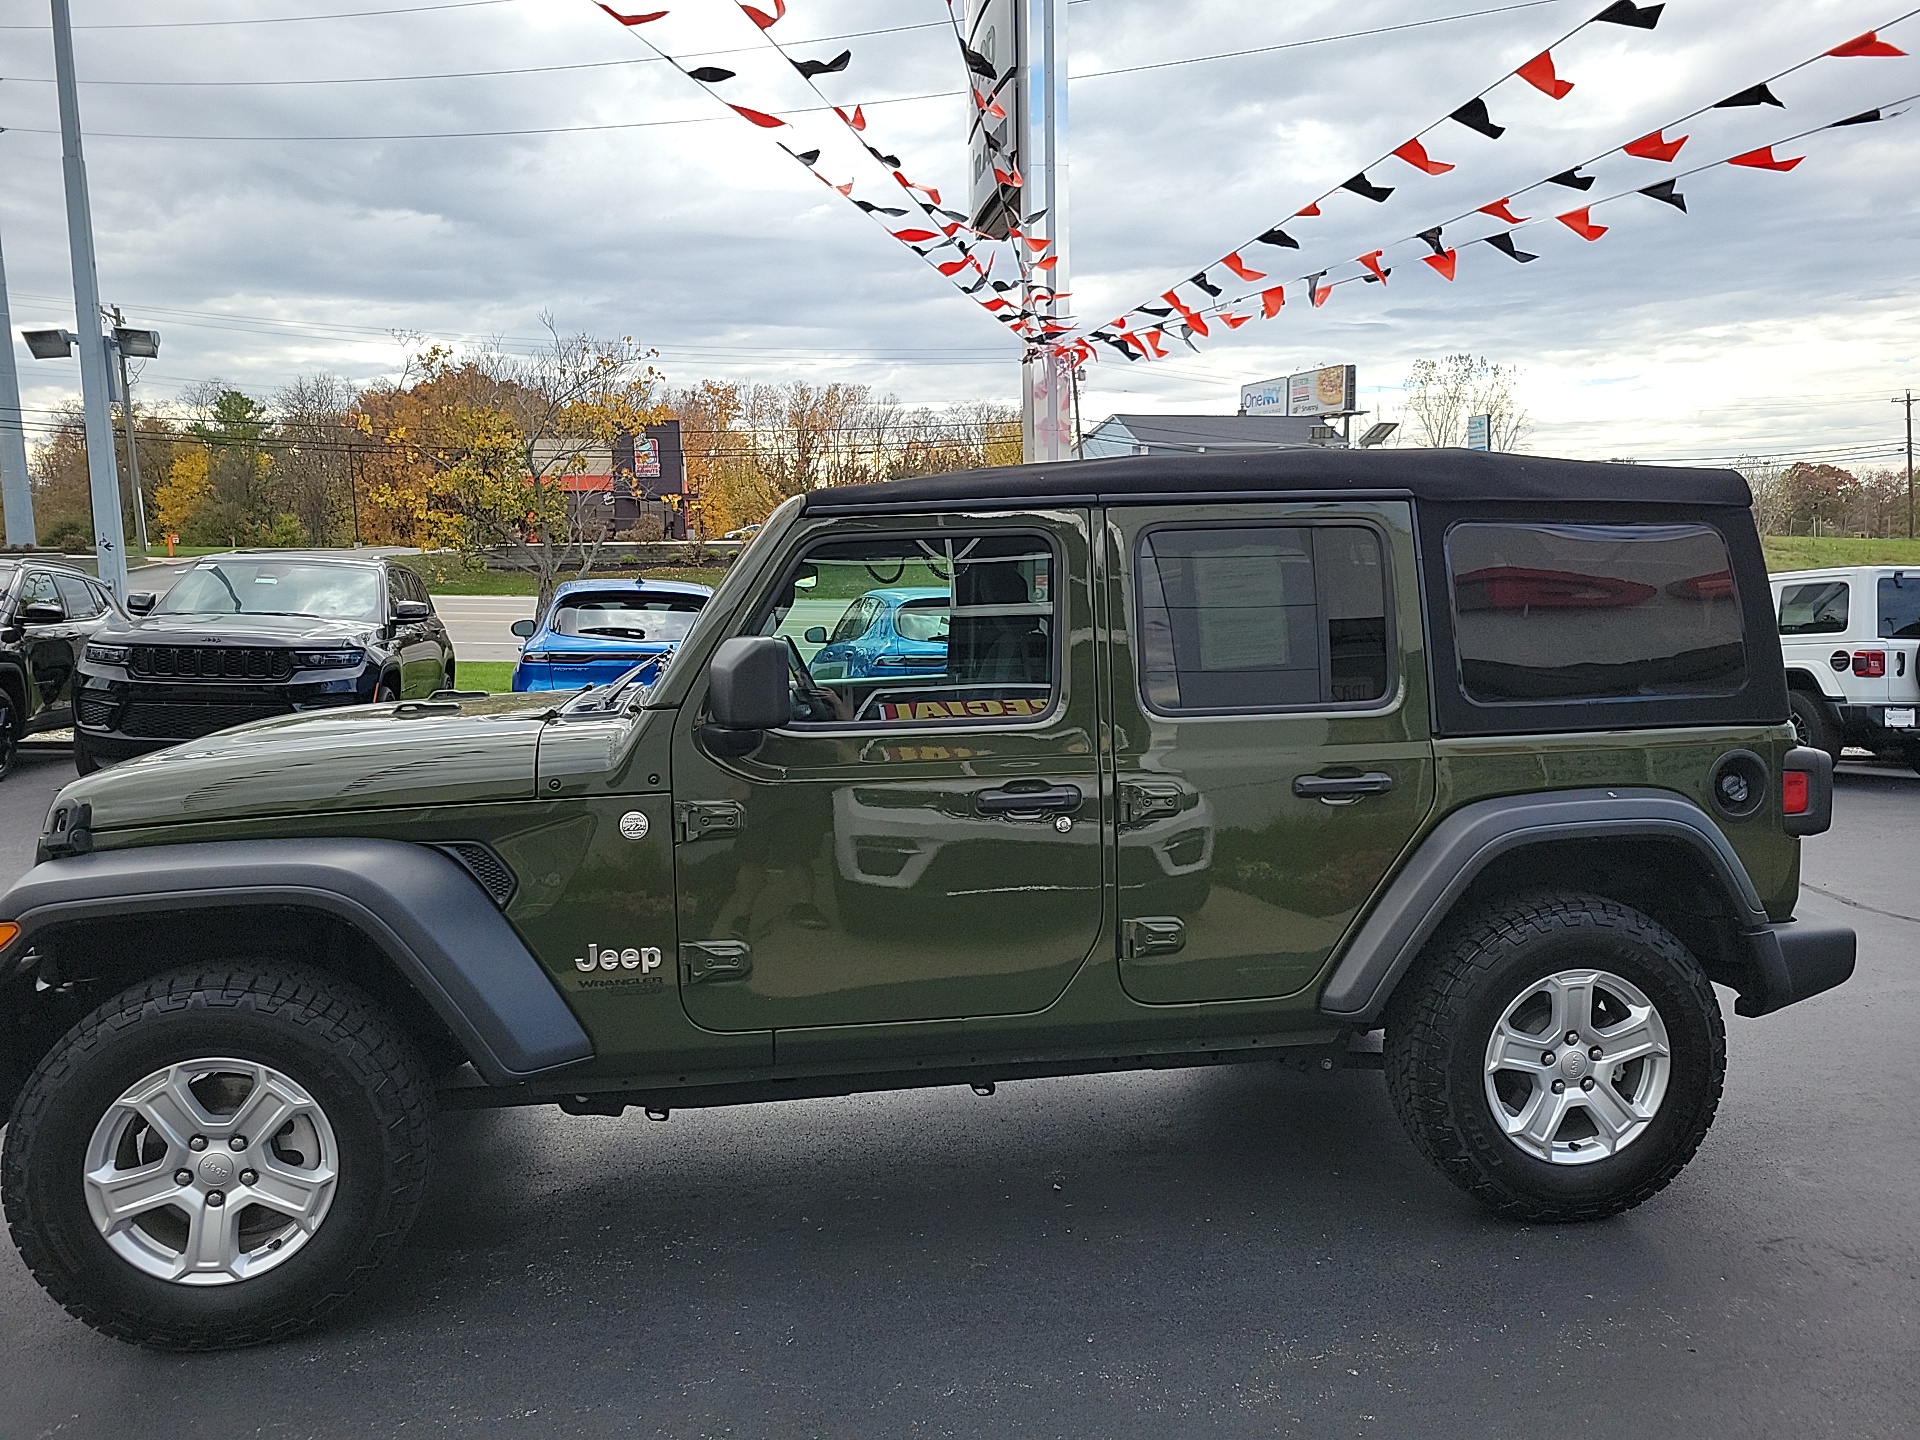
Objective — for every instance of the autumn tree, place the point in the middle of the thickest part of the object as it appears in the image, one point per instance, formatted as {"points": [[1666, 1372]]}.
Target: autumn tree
{"points": [[1442, 394]]}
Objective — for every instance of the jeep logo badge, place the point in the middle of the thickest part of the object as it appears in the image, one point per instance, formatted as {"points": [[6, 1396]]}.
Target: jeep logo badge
{"points": [[633, 825], [646, 959]]}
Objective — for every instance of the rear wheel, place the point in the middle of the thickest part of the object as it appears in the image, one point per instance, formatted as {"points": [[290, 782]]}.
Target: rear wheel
{"points": [[218, 1157], [1811, 723], [1558, 1056]]}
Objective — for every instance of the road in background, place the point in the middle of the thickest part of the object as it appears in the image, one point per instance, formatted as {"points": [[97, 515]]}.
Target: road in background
{"points": [[482, 625], [1241, 1251]]}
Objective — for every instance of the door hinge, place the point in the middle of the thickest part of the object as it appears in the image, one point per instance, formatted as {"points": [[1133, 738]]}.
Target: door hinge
{"points": [[697, 819], [704, 961], [1153, 935], [1145, 800]]}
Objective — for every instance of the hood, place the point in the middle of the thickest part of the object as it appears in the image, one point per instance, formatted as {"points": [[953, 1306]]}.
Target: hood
{"points": [[239, 630], [367, 757]]}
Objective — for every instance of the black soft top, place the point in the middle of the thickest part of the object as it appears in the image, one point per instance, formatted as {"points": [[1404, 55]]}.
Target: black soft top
{"points": [[1447, 476]]}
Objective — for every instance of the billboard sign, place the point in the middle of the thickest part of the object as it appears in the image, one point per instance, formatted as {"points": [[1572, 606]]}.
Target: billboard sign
{"points": [[1479, 432], [1264, 397], [1327, 391], [993, 142]]}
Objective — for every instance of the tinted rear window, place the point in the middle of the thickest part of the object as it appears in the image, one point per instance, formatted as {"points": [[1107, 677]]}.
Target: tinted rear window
{"points": [[1594, 612], [1900, 607], [1817, 608]]}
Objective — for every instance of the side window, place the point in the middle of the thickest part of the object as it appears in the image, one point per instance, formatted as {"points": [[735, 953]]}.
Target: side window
{"points": [[1594, 612], [1816, 608], [77, 596], [1900, 607], [1259, 618], [38, 589], [982, 647]]}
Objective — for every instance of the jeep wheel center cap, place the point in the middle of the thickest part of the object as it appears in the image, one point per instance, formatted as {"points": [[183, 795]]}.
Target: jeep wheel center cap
{"points": [[216, 1169]]}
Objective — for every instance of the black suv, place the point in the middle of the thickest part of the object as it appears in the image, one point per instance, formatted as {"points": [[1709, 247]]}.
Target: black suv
{"points": [[245, 636], [47, 614]]}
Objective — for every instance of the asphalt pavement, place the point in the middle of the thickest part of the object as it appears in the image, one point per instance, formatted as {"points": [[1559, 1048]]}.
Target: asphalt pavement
{"points": [[1231, 1252]]}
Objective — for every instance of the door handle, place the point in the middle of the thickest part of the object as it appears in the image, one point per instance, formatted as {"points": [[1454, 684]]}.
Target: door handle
{"points": [[1341, 789], [1053, 799]]}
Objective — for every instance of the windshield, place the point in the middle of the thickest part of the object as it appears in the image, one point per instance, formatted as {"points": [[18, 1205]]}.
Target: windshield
{"points": [[276, 587], [618, 615]]}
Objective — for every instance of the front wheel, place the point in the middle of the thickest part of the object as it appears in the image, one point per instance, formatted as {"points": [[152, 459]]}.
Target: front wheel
{"points": [[1559, 1056], [9, 734], [218, 1157]]}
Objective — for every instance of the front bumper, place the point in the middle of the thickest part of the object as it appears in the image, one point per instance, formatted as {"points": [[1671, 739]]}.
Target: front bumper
{"points": [[1789, 962], [124, 718]]}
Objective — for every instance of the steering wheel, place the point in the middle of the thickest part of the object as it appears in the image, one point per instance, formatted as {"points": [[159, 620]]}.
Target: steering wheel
{"points": [[818, 706]]}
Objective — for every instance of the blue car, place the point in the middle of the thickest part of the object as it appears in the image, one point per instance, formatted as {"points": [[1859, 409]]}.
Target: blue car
{"points": [[885, 633], [597, 630]]}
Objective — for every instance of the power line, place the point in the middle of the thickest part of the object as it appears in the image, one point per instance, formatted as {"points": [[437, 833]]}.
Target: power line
{"points": [[275, 19]]}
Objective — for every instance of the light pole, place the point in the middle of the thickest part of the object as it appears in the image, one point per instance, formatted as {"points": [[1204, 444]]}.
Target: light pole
{"points": [[109, 531], [1046, 410], [141, 345], [1907, 400], [16, 485]]}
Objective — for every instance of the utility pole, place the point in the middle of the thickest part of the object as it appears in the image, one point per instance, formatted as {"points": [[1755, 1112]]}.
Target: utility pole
{"points": [[126, 419], [1046, 410], [1907, 401], [16, 486], [103, 471]]}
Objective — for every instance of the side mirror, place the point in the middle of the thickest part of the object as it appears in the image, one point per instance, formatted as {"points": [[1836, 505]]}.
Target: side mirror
{"points": [[524, 629], [141, 602], [42, 614], [411, 610], [816, 635], [747, 684]]}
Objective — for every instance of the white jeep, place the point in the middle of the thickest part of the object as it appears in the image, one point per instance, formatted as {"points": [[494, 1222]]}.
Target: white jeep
{"points": [[1851, 641]]}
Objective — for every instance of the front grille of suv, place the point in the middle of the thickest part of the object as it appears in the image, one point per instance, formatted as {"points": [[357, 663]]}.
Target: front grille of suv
{"points": [[150, 720], [210, 662]]}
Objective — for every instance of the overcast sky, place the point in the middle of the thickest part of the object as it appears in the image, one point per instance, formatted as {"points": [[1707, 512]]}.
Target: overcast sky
{"points": [[1779, 315]]}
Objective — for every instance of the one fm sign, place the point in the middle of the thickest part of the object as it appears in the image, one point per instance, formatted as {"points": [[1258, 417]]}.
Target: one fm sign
{"points": [[1330, 390]]}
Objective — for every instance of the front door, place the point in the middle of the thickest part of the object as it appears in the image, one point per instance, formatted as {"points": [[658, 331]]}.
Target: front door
{"points": [[1270, 736], [923, 841], [52, 648]]}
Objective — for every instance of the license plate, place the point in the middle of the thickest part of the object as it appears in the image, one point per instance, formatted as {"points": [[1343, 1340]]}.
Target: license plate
{"points": [[1899, 719]]}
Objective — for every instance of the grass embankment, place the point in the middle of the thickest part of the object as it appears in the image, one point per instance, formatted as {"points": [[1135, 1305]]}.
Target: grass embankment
{"points": [[443, 579], [1803, 552], [492, 675]]}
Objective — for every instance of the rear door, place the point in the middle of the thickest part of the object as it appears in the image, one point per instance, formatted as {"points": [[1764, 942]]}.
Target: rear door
{"points": [[1271, 736], [1897, 601]]}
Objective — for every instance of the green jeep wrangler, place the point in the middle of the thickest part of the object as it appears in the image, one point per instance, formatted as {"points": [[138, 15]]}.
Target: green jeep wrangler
{"points": [[1164, 762]]}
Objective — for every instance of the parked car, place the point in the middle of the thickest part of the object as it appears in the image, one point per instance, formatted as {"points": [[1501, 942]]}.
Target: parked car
{"points": [[254, 634], [1850, 637], [47, 615], [1233, 759], [884, 633], [597, 630]]}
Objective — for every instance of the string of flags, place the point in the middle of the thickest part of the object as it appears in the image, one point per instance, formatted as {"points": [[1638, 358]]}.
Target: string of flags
{"points": [[1180, 318]]}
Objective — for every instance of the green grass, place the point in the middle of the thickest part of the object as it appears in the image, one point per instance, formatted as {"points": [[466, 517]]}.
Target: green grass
{"points": [[492, 675], [1803, 552], [492, 582]]}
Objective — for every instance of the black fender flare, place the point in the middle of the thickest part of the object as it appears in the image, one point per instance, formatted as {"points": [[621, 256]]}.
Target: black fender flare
{"points": [[418, 906], [1461, 846]]}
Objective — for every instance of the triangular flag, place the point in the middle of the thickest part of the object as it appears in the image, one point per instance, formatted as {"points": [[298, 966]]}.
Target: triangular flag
{"points": [[646, 19], [1007, 177], [1864, 46], [952, 267], [710, 74], [1234, 263], [1504, 244], [1272, 300], [1277, 236], [1360, 185], [805, 157], [1205, 284], [873, 209], [1763, 159], [1625, 12], [892, 162], [1572, 179], [1046, 264], [760, 118], [762, 18], [811, 68], [1474, 116], [1444, 262], [1415, 154], [1234, 322], [1538, 72], [914, 237], [1153, 339], [1666, 193], [1314, 290], [1752, 95], [858, 119], [1432, 239], [1654, 147], [1198, 325], [1372, 261], [1502, 210], [1313, 209], [977, 63], [1865, 117], [1581, 223]]}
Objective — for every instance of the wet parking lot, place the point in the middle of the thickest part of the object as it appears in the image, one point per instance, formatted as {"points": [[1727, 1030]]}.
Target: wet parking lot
{"points": [[1242, 1251]]}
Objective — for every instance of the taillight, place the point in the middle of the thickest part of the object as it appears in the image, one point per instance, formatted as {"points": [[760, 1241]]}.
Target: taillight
{"points": [[1871, 664], [1795, 796]]}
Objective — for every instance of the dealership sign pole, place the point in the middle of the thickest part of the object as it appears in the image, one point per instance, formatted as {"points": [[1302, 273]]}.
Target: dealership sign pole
{"points": [[16, 487], [1046, 410]]}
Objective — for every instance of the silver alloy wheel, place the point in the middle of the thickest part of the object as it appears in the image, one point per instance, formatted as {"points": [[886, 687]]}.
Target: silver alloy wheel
{"points": [[211, 1171], [1577, 1067]]}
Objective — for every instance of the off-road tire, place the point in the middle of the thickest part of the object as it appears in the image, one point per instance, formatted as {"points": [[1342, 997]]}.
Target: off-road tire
{"points": [[10, 726], [1442, 1015], [329, 1038], [1811, 723]]}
